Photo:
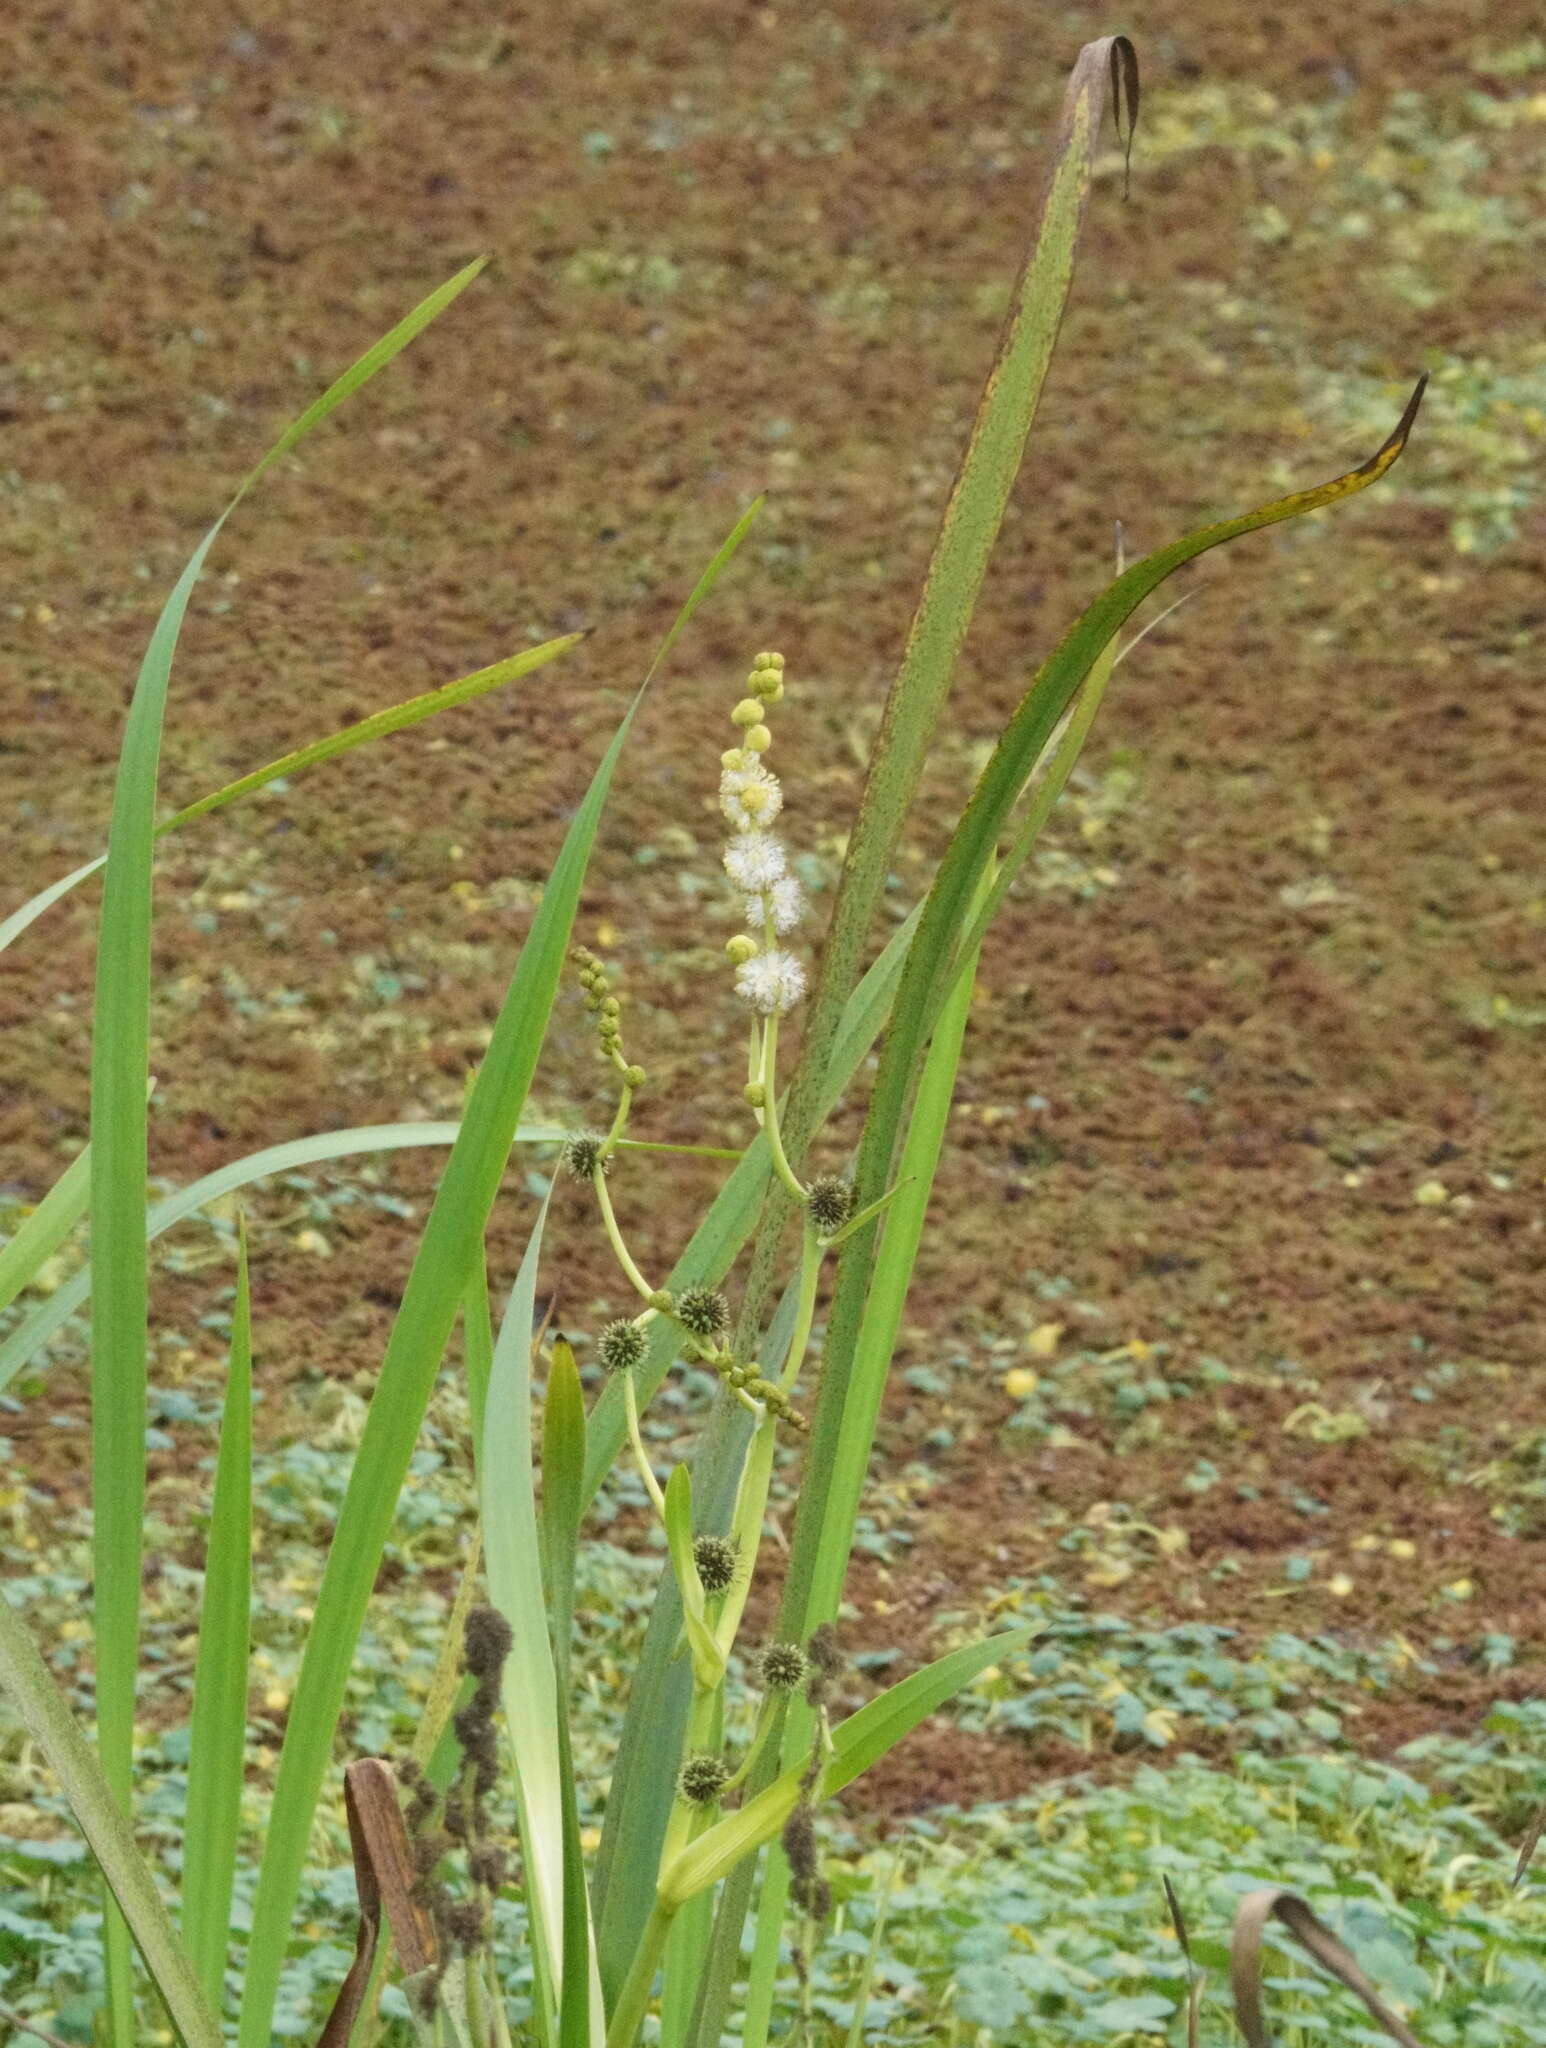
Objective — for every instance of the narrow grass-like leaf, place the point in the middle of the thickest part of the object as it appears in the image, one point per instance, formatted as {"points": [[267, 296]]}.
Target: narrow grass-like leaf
{"points": [[119, 1065], [563, 1467], [1312, 1934], [528, 1685], [933, 963], [889, 1286], [863, 1739], [872, 1360], [436, 1284], [41, 1234], [563, 1459], [720, 561], [217, 1754], [957, 566], [25, 1343], [46, 1716], [478, 1350], [707, 1660], [969, 527], [397, 718]]}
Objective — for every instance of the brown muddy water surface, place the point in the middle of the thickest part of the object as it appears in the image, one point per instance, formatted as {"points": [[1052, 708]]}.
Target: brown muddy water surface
{"points": [[1250, 1114]]}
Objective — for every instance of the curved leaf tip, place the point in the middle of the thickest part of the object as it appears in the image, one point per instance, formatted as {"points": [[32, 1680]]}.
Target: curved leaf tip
{"points": [[1124, 91]]}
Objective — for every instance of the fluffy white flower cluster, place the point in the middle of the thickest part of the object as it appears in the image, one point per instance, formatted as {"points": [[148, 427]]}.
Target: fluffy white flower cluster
{"points": [[749, 794], [755, 862], [772, 981]]}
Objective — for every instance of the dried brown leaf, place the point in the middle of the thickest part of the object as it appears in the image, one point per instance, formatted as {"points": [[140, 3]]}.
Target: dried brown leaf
{"points": [[383, 1878], [1333, 1955]]}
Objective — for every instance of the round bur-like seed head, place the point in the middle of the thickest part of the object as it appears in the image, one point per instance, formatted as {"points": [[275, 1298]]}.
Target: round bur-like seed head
{"points": [[702, 1311], [715, 1558], [783, 1667], [831, 1202], [702, 1779], [582, 1155], [621, 1346]]}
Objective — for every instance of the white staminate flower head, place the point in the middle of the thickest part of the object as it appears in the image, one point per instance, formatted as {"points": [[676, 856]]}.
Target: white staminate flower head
{"points": [[750, 797], [754, 860], [780, 904], [773, 983]]}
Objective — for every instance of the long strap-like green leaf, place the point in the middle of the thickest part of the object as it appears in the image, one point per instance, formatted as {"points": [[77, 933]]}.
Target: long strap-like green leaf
{"points": [[932, 963], [396, 718], [968, 529], [46, 1715], [217, 1754], [436, 1284], [119, 1066]]}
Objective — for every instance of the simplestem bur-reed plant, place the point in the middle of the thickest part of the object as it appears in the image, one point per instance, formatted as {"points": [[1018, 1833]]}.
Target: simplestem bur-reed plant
{"points": [[714, 1807]]}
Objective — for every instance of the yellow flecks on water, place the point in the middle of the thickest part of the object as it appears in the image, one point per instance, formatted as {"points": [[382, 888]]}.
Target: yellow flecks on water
{"points": [[314, 1242], [1432, 1194], [1459, 1589], [606, 933], [1020, 1383], [1042, 1342], [1402, 1548], [1339, 1584]]}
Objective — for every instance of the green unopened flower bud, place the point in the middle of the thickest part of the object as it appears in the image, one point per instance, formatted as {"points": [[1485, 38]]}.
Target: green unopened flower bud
{"points": [[782, 1667], [758, 738], [702, 1311], [732, 758], [661, 1301], [769, 685], [740, 949], [621, 1346], [702, 1778], [748, 712], [611, 1007], [755, 1095], [715, 1557], [635, 1076]]}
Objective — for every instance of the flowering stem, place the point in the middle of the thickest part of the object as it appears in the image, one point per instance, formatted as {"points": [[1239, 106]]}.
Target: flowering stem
{"points": [[641, 1456], [619, 1123], [768, 1719], [598, 1181], [751, 1503], [769, 1078]]}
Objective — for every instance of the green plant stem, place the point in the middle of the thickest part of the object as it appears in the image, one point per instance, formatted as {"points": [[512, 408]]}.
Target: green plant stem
{"points": [[615, 1237], [757, 1476], [635, 1437], [633, 2000], [769, 1080], [613, 1137]]}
